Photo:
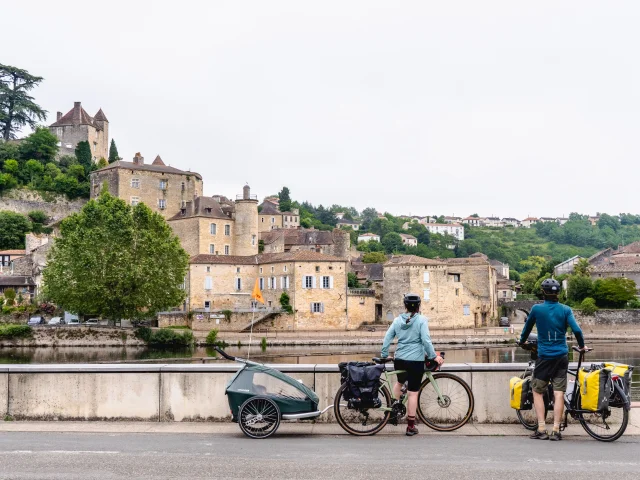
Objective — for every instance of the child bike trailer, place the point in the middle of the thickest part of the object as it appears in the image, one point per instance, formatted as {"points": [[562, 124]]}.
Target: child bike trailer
{"points": [[260, 396]]}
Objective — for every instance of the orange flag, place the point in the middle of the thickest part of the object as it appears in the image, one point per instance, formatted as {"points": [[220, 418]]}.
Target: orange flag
{"points": [[257, 294]]}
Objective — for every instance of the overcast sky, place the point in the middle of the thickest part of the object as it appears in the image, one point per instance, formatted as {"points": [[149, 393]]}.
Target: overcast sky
{"points": [[505, 108]]}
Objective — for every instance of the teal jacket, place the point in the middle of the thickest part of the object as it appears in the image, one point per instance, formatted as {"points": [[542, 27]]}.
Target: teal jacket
{"points": [[552, 320], [414, 340]]}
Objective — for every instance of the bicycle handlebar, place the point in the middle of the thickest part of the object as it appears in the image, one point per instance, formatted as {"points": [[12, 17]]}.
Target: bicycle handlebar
{"points": [[577, 349]]}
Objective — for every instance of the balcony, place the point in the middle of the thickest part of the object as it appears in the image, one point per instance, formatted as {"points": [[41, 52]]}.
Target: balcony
{"points": [[362, 292]]}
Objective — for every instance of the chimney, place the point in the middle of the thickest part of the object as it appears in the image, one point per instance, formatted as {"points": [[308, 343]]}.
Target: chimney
{"points": [[76, 110], [246, 192], [58, 116], [138, 159]]}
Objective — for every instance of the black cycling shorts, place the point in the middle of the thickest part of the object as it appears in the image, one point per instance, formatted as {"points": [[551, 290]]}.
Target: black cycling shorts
{"points": [[414, 370], [552, 370]]}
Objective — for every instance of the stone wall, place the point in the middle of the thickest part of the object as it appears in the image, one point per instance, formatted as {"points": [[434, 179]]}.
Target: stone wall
{"points": [[24, 201], [362, 308], [613, 323], [173, 319]]}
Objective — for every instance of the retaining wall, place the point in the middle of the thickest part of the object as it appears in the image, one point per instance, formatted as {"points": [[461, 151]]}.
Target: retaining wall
{"points": [[184, 393]]}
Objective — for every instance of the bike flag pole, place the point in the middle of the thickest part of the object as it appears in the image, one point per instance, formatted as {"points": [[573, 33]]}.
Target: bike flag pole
{"points": [[256, 296]]}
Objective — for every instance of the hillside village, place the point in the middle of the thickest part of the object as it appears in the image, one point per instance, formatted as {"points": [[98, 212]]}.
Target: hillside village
{"points": [[340, 275]]}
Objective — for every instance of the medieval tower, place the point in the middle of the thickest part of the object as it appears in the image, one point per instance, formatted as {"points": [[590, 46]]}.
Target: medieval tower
{"points": [[78, 126], [246, 224]]}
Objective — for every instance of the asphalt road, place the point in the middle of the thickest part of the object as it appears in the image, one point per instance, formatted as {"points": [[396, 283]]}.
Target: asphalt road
{"points": [[87, 456]]}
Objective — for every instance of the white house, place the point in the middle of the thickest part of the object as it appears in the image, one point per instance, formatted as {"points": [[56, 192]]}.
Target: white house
{"points": [[448, 219], [562, 220], [368, 237], [511, 222], [493, 222], [529, 222], [473, 221], [409, 240], [456, 230], [339, 215], [348, 223]]}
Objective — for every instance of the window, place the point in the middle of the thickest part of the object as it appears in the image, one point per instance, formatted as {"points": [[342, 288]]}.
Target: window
{"points": [[212, 248], [135, 201], [213, 228], [457, 292], [163, 184], [261, 283], [226, 249], [284, 283], [285, 268], [427, 294], [466, 310], [273, 219], [309, 281], [456, 277], [426, 277], [162, 203], [272, 283], [208, 269], [208, 283], [317, 268], [207, 306], [253, 240], [135, 183], [227, 230], [272, 269], [327, 282], [238, 284], [183, 186], [260, 269], [262, 219], [317, 307], [237, 269], [504, 292]]}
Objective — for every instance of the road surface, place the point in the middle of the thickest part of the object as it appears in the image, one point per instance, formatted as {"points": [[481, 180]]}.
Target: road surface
{"points": [[71, 456]]}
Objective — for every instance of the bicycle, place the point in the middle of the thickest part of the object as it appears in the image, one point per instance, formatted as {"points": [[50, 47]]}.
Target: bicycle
{"points": [[445, 403], [606, 425]]}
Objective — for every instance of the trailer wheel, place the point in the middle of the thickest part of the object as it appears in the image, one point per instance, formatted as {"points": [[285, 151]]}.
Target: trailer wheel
{"points": [[259, 417]]}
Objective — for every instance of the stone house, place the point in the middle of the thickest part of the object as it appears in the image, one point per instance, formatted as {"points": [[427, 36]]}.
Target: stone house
{"points": [[623, 262], [7, 256], [218, 226], [24, 272], [368, 237], [409, 240], [316, 284], [78, 126], [456, 292], [566, 266], [270, 217], [456, 230], [164, 189], [336, 242], [506, 290]]}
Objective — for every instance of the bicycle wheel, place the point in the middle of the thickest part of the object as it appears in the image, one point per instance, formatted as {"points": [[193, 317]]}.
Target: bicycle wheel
{"points": [[455, 408], [606, 426], [365, 421], [259, 417]]}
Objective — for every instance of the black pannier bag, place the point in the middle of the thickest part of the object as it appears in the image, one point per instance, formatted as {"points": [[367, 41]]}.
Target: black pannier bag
{"points": [[363, 383]]}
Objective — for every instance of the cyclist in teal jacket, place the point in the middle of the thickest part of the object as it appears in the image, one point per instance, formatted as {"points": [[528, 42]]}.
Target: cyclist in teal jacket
{"points": [[552, 319], [414, 346]]}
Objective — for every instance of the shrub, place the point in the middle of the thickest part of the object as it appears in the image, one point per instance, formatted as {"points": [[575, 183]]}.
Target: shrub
{"points": [[15, 331], [8, 309], [166, 337], [588, 306], [579, 288], [613, 292], [284, 302], [212, 337], [634, 303], [227, 315], [263, 344], [10, 297], [143, 333]]}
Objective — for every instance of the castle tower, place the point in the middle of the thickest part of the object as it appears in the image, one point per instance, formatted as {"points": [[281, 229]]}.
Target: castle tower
{"points": [[246, 224], [102, 135]]}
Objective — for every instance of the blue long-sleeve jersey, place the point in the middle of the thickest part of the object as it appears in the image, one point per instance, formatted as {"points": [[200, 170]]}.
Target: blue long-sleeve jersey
{"points": [[552, 320], [414, 340]]}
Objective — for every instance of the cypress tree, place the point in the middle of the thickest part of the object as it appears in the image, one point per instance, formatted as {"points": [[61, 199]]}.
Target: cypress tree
{"points": [[113, 152], [83, 155]]}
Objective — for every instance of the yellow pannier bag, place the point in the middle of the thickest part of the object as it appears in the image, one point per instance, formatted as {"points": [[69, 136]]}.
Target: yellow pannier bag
{"points": [[595, 389], [623, 371], [520, 393]]}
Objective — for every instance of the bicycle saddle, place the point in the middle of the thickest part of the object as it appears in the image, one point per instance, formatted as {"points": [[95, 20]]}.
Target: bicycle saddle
{"points": [[380, 361]]}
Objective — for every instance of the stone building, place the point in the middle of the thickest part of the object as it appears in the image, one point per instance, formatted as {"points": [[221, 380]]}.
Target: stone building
{"points": [[24, 272], [336, 242], [409, 240], [623, 262], [218, 226], [78, 126], [271, 217], [316, 284], [456, 292], [164, 189]]}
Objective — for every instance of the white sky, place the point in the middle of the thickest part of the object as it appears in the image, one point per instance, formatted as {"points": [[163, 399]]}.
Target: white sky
{"points": [[504, 108]]}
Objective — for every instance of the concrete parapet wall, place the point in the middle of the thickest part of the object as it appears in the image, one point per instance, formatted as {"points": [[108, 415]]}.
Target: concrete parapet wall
{"points": [[186, 393]]}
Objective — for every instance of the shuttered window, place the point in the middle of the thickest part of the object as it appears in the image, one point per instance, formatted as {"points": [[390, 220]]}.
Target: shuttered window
{"points": [[208, 284], [426, 277]]}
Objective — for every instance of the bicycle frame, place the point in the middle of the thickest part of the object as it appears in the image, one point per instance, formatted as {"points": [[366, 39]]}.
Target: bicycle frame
{"points": [[387, 382]]}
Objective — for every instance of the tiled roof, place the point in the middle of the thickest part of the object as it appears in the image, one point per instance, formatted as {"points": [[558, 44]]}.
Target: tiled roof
{"points": [[619, 265], [298, 236], [298, 256], [443, 225], [15, 280], [100, 116], [76, 116], [148, 168], [368, 235], [269, 208], [13, 252], [201, 207], [530, 219], [509, 219], [415, 260], [158, 161], [347, 222], [631, 248], [407, 236]]}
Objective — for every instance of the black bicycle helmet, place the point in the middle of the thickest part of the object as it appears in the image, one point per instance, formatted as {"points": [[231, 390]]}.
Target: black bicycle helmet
{"points": [[551, 286], [412, 302]]}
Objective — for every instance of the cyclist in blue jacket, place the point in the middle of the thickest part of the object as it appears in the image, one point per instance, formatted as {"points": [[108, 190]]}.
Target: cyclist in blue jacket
{"points": [[414, 344], [552, 319]]}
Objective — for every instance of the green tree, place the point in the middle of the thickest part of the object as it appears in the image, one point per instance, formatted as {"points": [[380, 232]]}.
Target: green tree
{"points": [[17, 107], [113, 152], [285, 302], [33, 169], [84, 157], [13, 228], [582, 268], [588, 306], [12, 167], [368, 216], [102, 163], [392, 242], [7, 182], [41, 145], [37, 216], [608, 221], [8, 151], [374, 257], [613, 292], [10, 296], [579, 287], [528, 281], [285, 200], [352, 280], [116, 261]]}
